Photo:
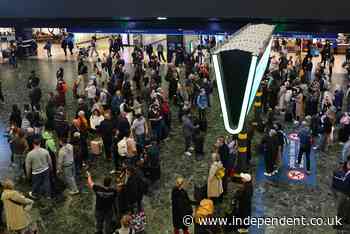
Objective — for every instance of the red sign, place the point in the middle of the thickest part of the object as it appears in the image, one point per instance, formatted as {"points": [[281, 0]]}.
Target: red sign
{"points": [[296, 175]]}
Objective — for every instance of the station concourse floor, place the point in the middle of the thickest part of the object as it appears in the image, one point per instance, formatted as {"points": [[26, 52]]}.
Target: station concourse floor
{"points": [[75, 215]]}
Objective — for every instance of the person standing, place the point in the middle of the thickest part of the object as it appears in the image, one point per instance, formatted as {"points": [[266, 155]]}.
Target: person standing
{"points": [[105, 201], [106, 131], [215, 188], [15, 117], [160, 52], [19, 148], [66, 166], [202, 103], [140, 130], [38, 164], [305, 145], [64, 45], [188, 130], [17, 218], [267, 143], [244, 201], [181, 206], [93, 46], [48, 47]]}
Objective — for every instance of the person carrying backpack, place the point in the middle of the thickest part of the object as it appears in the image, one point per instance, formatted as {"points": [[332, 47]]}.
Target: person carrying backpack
{"points": [[305, 145]]}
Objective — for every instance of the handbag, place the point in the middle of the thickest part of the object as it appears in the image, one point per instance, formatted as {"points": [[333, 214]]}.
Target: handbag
{"points": [[341, 181]]}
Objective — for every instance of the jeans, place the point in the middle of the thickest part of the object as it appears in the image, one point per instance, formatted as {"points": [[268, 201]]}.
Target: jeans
{"points": [[306, 150], [19, 163], [103, 221], [69, 177], [41, 184], [140, 140], [156, 130]]}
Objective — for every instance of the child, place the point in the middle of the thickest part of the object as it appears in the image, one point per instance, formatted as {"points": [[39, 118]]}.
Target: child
{"points": [[125, 227]]}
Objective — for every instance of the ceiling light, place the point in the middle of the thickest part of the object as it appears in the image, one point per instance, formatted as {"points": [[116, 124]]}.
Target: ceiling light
{"points": [[162, 18]]}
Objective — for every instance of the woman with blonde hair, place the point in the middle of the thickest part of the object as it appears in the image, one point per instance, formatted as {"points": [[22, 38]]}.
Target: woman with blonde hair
{"points": [[215, 188], [181, 206], [15, 206]]}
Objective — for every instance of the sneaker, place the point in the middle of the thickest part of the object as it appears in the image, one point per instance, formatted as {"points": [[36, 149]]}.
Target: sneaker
{"points": [[267, 174], [188, 153], [191, 148], [31, 195], [274, 172], [73, 192], [242, 230], [113, 172], [308, 172]]}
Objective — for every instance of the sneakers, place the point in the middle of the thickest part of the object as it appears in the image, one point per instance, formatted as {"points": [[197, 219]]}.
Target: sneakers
{"points": [[73, 192], [31, 195], [113, 172], [267, 174], [191, 148], [188, 153]]}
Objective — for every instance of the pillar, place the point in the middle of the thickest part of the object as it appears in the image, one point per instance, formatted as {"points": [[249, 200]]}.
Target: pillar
{"points": [[258, 107], [242, 151]]}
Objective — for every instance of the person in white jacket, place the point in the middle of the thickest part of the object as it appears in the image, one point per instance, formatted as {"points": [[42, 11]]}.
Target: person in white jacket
{"points": [[96, 119], [215, 188]]}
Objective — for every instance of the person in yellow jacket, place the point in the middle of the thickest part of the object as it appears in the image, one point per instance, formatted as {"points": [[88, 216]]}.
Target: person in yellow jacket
{"points": [[15, 207], [204, 210]]}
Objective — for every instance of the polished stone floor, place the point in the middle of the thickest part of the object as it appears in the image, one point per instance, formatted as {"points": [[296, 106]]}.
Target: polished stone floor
{"points": [[75, 215]]}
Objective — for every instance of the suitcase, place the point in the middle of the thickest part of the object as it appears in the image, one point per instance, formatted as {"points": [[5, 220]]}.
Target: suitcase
{"points": [[341, 181], [6, 54], [96, 147]]}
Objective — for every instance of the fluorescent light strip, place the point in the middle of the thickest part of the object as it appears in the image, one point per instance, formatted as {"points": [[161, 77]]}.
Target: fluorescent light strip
{"points": [[245, 99], [261, 66]]}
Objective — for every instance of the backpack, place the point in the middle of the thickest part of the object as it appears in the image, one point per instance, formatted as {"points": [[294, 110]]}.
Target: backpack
{"points": [[123, 147]]}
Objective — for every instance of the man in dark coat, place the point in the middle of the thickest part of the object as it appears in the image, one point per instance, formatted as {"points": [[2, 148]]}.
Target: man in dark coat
{"points": [[35, 97], [106, 131], [181, 206]]}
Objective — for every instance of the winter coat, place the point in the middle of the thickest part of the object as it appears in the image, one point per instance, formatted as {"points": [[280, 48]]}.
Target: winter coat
{"points": [[215, 188], [299, 110], [16, 217], [181, 206]]}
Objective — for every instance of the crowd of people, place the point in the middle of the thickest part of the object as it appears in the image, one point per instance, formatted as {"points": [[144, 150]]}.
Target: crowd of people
{"points": [[124, 115], [127, 115]]}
